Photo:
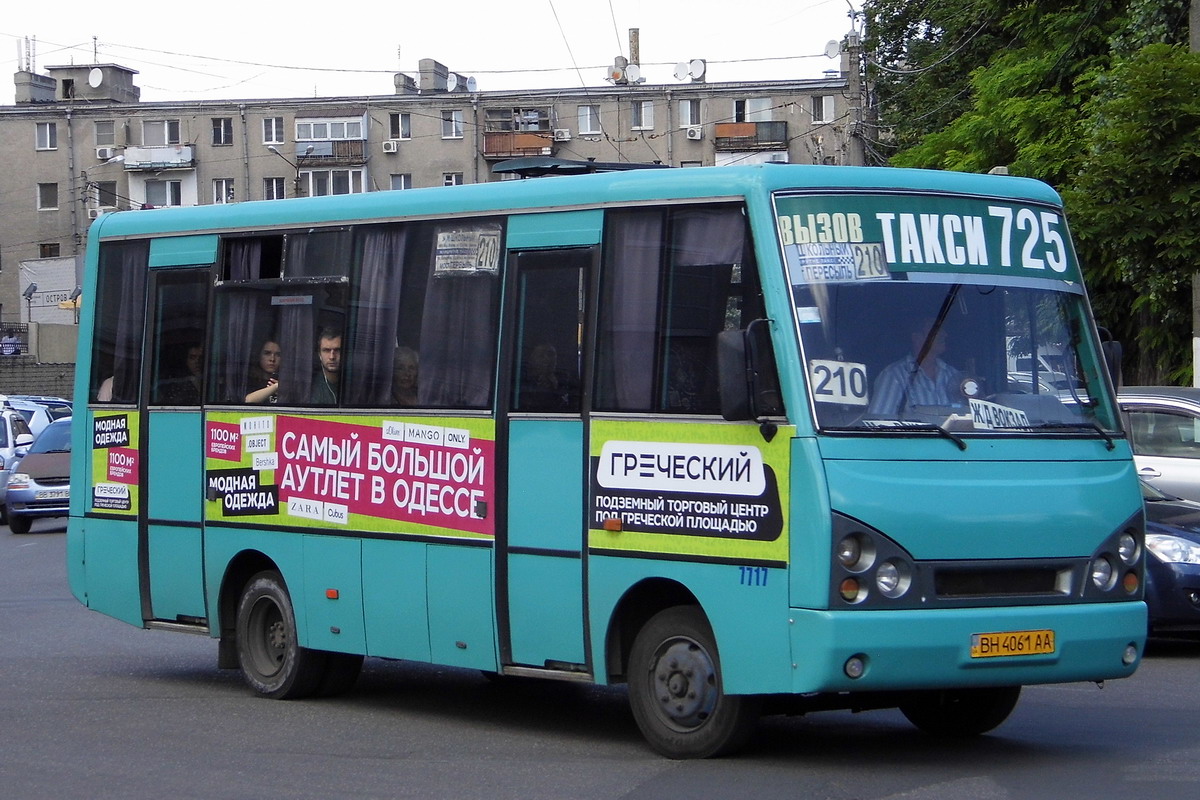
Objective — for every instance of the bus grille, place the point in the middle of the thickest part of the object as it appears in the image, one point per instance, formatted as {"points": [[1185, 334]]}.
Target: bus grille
{"points": [[1001, 582]]}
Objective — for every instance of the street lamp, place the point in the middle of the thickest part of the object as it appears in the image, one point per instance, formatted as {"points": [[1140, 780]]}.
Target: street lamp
{"points": [[74, 298], [30, 290], [308, 150]]}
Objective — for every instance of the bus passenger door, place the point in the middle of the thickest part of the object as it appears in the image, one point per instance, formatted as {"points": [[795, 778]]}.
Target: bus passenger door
{"points": [[171, 562], [540, 552]]}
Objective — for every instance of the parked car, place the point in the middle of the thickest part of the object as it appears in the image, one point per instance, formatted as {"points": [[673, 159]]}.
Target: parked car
{"points": [[15, 439], [1173, 563], [40, 483], [39, 411], [1164, 428]]}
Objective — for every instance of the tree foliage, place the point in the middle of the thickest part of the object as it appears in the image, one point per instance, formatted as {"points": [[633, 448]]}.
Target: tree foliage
{"points": [[1095, 97]]}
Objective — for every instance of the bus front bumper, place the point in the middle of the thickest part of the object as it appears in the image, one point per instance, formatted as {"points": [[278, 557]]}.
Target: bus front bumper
{"points": [[927, 649]]}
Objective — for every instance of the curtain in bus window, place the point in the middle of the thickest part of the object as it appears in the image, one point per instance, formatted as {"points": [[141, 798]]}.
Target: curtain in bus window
{"points": [[376, 301], [243, 263], [458, 341], [706, 245], [297, 324], [126, 285], [629, 311]]}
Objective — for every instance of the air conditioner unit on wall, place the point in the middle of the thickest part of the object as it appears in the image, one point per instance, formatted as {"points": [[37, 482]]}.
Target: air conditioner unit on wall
{"points": [[93, 213], [105, 153], [562, 134], [390, 146], [695, 133]]}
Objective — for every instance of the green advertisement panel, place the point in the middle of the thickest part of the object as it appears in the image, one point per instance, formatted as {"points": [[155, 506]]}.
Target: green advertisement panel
{"points": [[689, 489], [427, 476], [116, 463], [830, 238]]}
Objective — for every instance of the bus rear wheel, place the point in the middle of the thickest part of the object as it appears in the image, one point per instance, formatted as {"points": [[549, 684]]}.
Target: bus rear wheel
{"points": [[961, 712], [271, 660], [675, 689]]}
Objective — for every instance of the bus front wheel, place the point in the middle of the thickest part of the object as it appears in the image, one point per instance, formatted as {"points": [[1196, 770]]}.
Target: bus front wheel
{"points": [[272, 662], [961, 712], [675, 689]]}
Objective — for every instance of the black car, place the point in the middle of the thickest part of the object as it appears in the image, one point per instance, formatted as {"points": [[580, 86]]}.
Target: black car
{"points": [[1173, 564]]}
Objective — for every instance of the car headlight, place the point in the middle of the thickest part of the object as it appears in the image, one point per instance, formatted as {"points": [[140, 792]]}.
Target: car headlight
{"points": [[19, 480], [1172, 549]]}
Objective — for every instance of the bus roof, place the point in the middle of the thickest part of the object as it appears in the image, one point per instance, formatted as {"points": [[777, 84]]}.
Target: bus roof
{"points": [[562, 192]]}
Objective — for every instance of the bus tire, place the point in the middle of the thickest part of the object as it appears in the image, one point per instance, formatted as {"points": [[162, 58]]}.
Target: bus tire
{"points": [[961, 712], [675, 689], [271, 660]]}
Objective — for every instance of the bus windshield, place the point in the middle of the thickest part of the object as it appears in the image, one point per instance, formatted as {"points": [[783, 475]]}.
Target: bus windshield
{"points": [[937, 318]]}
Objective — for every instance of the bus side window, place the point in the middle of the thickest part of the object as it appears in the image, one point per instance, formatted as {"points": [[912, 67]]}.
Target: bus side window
{"points": [[673, 280], [120, 312]]}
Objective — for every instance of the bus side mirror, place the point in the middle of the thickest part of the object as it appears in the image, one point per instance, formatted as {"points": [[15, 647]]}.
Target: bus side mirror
{"points": [[733, 375], [747, 382], [1113, 353]]}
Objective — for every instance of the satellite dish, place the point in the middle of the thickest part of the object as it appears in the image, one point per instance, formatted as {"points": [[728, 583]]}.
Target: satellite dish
{"points": [[696, 68], [633, 73], [472, 84], [832, 49], [95, 77], [451, 82], [681, 71]]}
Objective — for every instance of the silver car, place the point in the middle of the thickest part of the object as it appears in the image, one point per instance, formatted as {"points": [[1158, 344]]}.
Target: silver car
{"points": [[1163, 423]]}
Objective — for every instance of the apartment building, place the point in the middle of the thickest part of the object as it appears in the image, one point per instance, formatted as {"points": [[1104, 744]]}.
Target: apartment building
{"points": [[79, 143]]}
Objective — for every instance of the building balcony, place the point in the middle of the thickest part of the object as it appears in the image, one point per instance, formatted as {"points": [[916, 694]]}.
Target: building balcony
{"points": [[750, 135], [159, 157], [517, 144], [337, 153]]}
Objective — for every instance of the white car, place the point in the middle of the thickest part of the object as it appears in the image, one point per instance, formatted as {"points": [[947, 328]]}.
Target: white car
{"points": [[1163, 423]]}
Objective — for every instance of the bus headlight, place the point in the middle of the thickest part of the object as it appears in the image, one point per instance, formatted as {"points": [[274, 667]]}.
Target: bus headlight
{"points": [[1127, 548], [893, 578], [1102, 573], [856, 552]]}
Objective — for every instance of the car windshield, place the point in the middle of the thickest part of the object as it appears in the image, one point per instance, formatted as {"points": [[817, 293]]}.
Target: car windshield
{"points": [[890, 346], [56, 438]]}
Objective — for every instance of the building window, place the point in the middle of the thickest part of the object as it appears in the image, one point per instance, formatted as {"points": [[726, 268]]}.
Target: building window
{"points": [[822, 108], [274, 189], [160, 132], [753, 109], [403, 181], [49, 250], [323, 130], [106, 133], [222, 190], [47, 136], [222, 128], [452, 179], [689, 113], [516, 119], [323, 182], [400, 126], [273, 130], [47, 196], [164, 193], [643, 115], [452, 124], [589, 120], [106, 194]]}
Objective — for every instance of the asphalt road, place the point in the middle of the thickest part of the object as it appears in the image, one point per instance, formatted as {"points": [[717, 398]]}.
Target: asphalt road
{"points": [[94, 708]]}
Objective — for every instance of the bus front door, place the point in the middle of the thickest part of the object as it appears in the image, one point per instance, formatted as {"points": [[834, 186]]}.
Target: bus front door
{"points": [[540, 550]]}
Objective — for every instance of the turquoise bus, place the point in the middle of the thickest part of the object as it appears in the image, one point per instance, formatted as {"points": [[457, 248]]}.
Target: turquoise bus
{"points": [[742, 438]]}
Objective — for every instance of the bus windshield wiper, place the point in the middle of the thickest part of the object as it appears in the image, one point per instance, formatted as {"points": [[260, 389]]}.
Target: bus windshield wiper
{"points": [[1108, 440], [902, 426]]}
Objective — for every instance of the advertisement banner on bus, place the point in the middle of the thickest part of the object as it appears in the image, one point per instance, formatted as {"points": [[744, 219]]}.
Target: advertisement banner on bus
{"points": [[704, 490], [376, 474], [116, 463]]}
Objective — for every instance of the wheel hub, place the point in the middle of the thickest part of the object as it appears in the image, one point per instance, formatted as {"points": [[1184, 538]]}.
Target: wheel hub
{"points": [[685, 684]]}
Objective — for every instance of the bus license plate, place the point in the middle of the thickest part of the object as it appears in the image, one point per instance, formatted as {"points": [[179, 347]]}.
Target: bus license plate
{"points": [[1012, 643]]}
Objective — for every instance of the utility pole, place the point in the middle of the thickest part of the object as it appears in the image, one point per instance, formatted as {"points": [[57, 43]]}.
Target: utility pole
{"points": [[1194, 43]]}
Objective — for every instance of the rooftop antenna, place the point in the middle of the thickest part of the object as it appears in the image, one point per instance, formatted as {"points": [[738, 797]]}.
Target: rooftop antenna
{"points": [[95, 51]]}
